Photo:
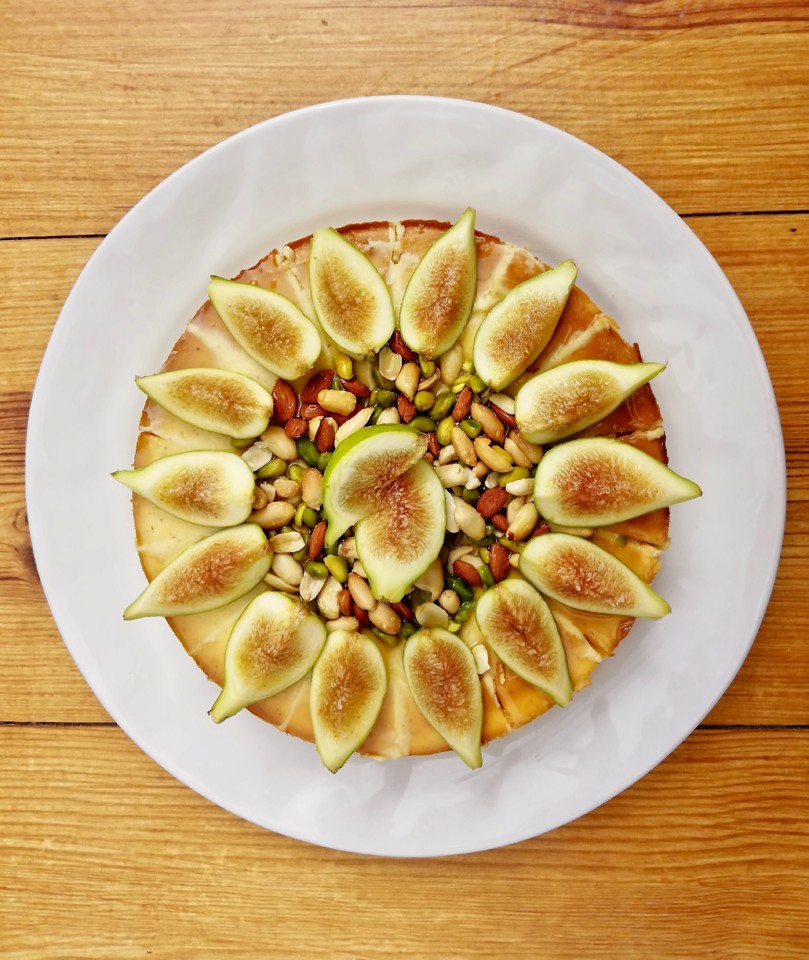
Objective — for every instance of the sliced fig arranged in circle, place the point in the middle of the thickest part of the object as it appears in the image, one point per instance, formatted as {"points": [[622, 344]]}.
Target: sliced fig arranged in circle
{"points": [[584, 576], [209, 574], [444, 682], [272, 645], [514, 332], [349, 682], [361, 468], [568, 398], [597, 481], [210, 487], [403, 535], [272, 329], [351, 300], [518, 625], [221, 401], [438, 297]]}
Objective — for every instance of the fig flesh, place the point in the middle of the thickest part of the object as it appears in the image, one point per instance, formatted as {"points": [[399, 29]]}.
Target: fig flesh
{"points": [[598, 481], [221, 401], [209, 487], [272, 645], [514, 332], [573, 396], [361, 468], [438, 297], [207, 575], [584, 576], [443, 680], [267, 326], [350, 298], [349, 682], [404, 534], [518, 625]]}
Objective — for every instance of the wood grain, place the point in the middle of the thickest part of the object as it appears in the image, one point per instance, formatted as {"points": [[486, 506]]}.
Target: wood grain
{"points": [[96, 108], [135, 864]]}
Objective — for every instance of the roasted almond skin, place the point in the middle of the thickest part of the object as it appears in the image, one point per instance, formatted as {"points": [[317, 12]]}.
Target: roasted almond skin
{"points": [[462, 405], [322, 380], [499, 562], [357, 388], [398, 345], [345, 604], [491, 502], [433, 445], [311, 410], [500, 521], [466, 572], [506, 418], [324, 438], [401, 608], [316, 540], [406, 408], [285, 403], [296, 427]]}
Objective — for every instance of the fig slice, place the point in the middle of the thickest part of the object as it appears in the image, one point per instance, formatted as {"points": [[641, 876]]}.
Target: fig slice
{"points": [[209, 487], [272, 645], [350, 298], [444, 682], [270, 328], [207, 575], [568, 398], [438, 297], [221, 401], [518, 625], [586, 577], [404, 533], [360, 470], [598, 481], [514, 332], [349, 682]]}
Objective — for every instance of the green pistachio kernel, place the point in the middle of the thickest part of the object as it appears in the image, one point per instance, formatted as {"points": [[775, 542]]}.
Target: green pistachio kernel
{"points": [[337, 567], [503, 453], [477, 384], [343, 366], [427, 366], [273, 470], [323, 461], [408, 629], [424, 400], [518, 473], [307, 451], [463, 590], [317, 570], [378, 411], [453, 626], [468, 366], [471, 428], [425, 424], [486, 576], [484, 554], [311, 518], [442, 406], [301, 554], [296, 472], [463, 613], [471, 496], [385, 398], [444, 431]]}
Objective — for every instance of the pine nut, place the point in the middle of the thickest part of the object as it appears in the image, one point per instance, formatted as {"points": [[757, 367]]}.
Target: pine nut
{"points": [[523, 523], [464, 447], [361, 592], [312, 488], [287, 568], [350, 624], [274, 515], [491, 423], [337, 401], [469, 520], [386, 619], [275, 440], [431, 615], [493, 459], [451, 364]]}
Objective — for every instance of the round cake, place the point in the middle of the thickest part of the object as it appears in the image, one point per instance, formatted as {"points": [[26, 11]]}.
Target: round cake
{"points": [[399, 493]]}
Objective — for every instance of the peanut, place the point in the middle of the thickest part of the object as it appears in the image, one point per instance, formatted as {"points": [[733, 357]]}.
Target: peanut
{"points": [[383, 617], [275, 440], [361, 593], [273, 515], [489, 421], [337, 401], [464, 447]]}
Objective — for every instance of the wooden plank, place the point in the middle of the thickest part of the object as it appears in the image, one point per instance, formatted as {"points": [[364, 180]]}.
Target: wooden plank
{"points": [[97, 108], [104, 855], [761, 255]]}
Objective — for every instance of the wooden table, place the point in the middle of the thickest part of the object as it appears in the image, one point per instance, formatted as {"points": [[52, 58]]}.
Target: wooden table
{"points": [[102, 854]]}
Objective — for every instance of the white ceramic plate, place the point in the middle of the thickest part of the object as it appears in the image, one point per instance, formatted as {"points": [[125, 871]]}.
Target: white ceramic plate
{"points": [[532, 184]]}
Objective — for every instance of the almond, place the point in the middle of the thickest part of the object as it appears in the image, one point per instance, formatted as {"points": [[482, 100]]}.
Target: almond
{"points": [[398, 345], [466, 572], [406, 408], [311, 410], [498, 562], [433, 445], [324, 438], [402, 609], [346, 604], [506, 418], [285, 403], [322, 380], [357, 388], [500, 520], [492, 502], [361, 615], [462, 405], [316, 540], [296, 427]]}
